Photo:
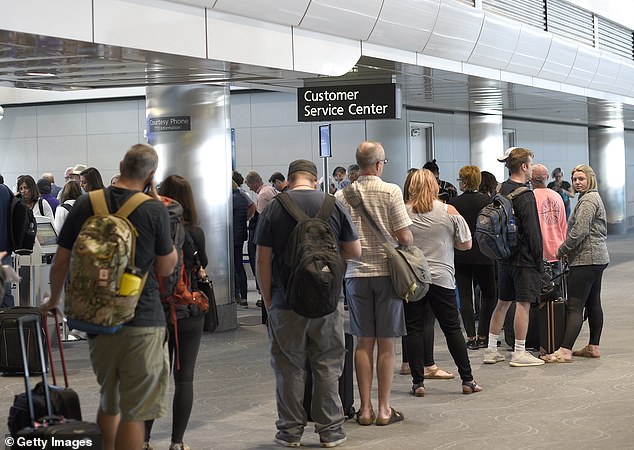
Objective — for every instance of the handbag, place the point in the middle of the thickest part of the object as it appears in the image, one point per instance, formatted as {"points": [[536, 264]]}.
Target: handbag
{"points": [[211, 316], [408, 266]]}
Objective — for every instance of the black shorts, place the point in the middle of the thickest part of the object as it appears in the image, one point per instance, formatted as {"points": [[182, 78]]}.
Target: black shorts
{"points": [[519, 284]]}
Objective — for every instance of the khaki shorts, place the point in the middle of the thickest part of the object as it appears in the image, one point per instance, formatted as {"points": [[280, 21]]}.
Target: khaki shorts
{"points": [[132, 368]]}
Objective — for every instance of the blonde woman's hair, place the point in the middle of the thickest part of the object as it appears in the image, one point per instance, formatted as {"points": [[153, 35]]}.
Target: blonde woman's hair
{"points": [[423, 190], [592, 178]]}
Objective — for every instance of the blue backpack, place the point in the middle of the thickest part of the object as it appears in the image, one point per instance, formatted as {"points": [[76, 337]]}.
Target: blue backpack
{"points": [[496, 230]]}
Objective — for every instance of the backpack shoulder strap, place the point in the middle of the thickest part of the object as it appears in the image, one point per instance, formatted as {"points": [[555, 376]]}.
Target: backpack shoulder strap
{"points": [[131, 204], [291, 207], [326, 207], [517, 192], [41, 206], [98, 202]]}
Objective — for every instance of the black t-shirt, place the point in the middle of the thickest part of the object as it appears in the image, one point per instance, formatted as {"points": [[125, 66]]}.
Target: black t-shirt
{"points": [[530, 251], [275, 226], [469, 204], [152, 224]]}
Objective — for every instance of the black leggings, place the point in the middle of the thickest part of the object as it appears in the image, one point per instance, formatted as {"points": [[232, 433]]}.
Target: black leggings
{"points": [[428, 338], [484, 275], [190, 331], [584, 290], [443, 304], [241, 274]]}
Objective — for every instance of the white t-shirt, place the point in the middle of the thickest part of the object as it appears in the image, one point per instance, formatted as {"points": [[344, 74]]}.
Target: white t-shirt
{"points": [[60, 215], [47, 211]]}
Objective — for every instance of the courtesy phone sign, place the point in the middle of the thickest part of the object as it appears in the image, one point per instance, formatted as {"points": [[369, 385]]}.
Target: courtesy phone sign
{"points": [[361, 102]]}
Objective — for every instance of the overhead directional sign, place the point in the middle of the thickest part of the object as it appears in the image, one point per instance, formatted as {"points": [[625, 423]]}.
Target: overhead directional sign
{"points": [[361, 102]]}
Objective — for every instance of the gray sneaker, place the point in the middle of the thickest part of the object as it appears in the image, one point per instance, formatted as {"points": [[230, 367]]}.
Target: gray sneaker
{"points": [[492, 357], [334, 441], [524, 359], [285, 443]]}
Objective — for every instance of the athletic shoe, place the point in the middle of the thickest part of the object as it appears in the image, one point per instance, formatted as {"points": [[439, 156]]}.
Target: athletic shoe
{"points": [[334, 441], [492, 357], [524, 359], [286, 441]]}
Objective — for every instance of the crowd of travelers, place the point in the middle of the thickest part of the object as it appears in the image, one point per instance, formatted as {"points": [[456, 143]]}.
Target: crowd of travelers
{"points": [[469, 295]]}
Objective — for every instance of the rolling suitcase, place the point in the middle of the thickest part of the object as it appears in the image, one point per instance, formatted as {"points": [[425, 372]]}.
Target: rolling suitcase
{"points": [[49, 426], [10, 357], [346, 382], [64, 400], [552, 318]]}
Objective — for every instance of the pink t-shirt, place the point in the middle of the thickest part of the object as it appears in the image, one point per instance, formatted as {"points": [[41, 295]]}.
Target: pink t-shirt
{"points": [[552, 221]]}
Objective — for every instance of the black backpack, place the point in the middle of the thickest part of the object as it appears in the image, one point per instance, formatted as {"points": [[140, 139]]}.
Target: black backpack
{"points": [[312, 257], [22, 227], [496, 230]]}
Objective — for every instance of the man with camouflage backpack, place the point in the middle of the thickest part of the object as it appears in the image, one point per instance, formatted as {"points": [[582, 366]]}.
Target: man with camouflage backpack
{"points": [[131, 364], [301, 330]]}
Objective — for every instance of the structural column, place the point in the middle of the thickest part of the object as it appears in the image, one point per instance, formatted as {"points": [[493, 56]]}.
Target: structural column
{"points": [[486, 135], [606, 141], [189, 127]]}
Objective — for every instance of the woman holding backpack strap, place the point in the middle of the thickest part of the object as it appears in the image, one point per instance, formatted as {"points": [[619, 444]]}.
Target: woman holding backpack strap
{"points": [[190, 329]]}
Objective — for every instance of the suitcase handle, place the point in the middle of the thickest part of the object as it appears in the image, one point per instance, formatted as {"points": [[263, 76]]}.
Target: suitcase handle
{"points": [[47, 395], [54, 312]]}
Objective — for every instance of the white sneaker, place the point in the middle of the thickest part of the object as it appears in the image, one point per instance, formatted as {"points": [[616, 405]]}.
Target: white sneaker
{"points": [[492, 357], [524, 359]]}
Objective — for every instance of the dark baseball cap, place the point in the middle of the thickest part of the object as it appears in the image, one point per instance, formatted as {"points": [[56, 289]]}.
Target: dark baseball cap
{"points": [[302, 165], [44, 186]]}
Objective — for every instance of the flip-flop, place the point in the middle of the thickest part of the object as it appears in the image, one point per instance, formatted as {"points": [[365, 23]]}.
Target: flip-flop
{"points": [[395, 416], [438, 374], [365, 421]]}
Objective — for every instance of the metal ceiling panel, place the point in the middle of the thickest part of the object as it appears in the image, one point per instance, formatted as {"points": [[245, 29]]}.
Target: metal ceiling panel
{"points": [[158, 26], [456, 31], [405, 24], [336, 56], [286, 12], [584, 67], [353, 19], [531, 50], [249, 41], [607, 73], [497, 41], [71, 19], [561, 56]]}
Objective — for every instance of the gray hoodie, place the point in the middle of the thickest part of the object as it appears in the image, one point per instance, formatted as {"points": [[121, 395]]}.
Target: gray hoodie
{"points": [[585, 242]]}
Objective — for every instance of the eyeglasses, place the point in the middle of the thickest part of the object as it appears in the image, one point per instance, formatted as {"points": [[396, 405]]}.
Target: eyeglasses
{"points": [[384, 161], [459, 180]]}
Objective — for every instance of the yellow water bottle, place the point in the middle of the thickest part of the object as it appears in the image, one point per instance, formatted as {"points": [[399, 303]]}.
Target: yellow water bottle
{"points": [[130, 282]]}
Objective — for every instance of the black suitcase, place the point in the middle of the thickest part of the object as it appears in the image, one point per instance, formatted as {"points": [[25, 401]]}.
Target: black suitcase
{"points": [[49, 426], [10, 357], [346, 382], [64, 400], [552, 317]]}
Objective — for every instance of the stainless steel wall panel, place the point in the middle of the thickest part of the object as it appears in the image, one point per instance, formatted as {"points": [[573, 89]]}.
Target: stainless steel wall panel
{"points": [[531, 51], [445, 42], [286, 12], [352, 19], [202, 156], [496, 43], [405, 24]]}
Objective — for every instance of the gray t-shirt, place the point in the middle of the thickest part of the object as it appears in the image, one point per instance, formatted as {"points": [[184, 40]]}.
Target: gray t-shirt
{"points": [[435, 233]]}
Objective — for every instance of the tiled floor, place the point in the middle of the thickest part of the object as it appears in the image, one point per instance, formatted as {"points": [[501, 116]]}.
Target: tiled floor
{"points": [[584, 405]]}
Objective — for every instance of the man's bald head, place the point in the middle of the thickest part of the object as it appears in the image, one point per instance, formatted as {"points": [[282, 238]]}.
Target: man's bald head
{"points": [[539, 176]]}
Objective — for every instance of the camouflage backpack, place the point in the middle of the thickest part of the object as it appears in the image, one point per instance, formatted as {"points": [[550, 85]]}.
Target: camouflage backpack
{"points": [[102, 257]]}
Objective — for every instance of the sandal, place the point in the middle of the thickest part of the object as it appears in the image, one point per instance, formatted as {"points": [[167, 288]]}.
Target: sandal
{"points": [[418, 390], [395, 416], [405, 370], [586, 352], [470, 387], [556, 357], [438, 374], [365, 421]]}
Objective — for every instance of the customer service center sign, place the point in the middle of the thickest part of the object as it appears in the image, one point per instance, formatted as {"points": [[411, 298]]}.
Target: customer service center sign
{"points": [[362, 102]]}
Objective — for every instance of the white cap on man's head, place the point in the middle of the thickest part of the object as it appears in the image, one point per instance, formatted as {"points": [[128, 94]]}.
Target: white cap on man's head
{"points": [[506, 154]]}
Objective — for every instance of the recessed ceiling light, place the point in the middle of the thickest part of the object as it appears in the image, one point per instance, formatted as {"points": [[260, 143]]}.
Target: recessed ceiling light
{"points": [[40, 74]]}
